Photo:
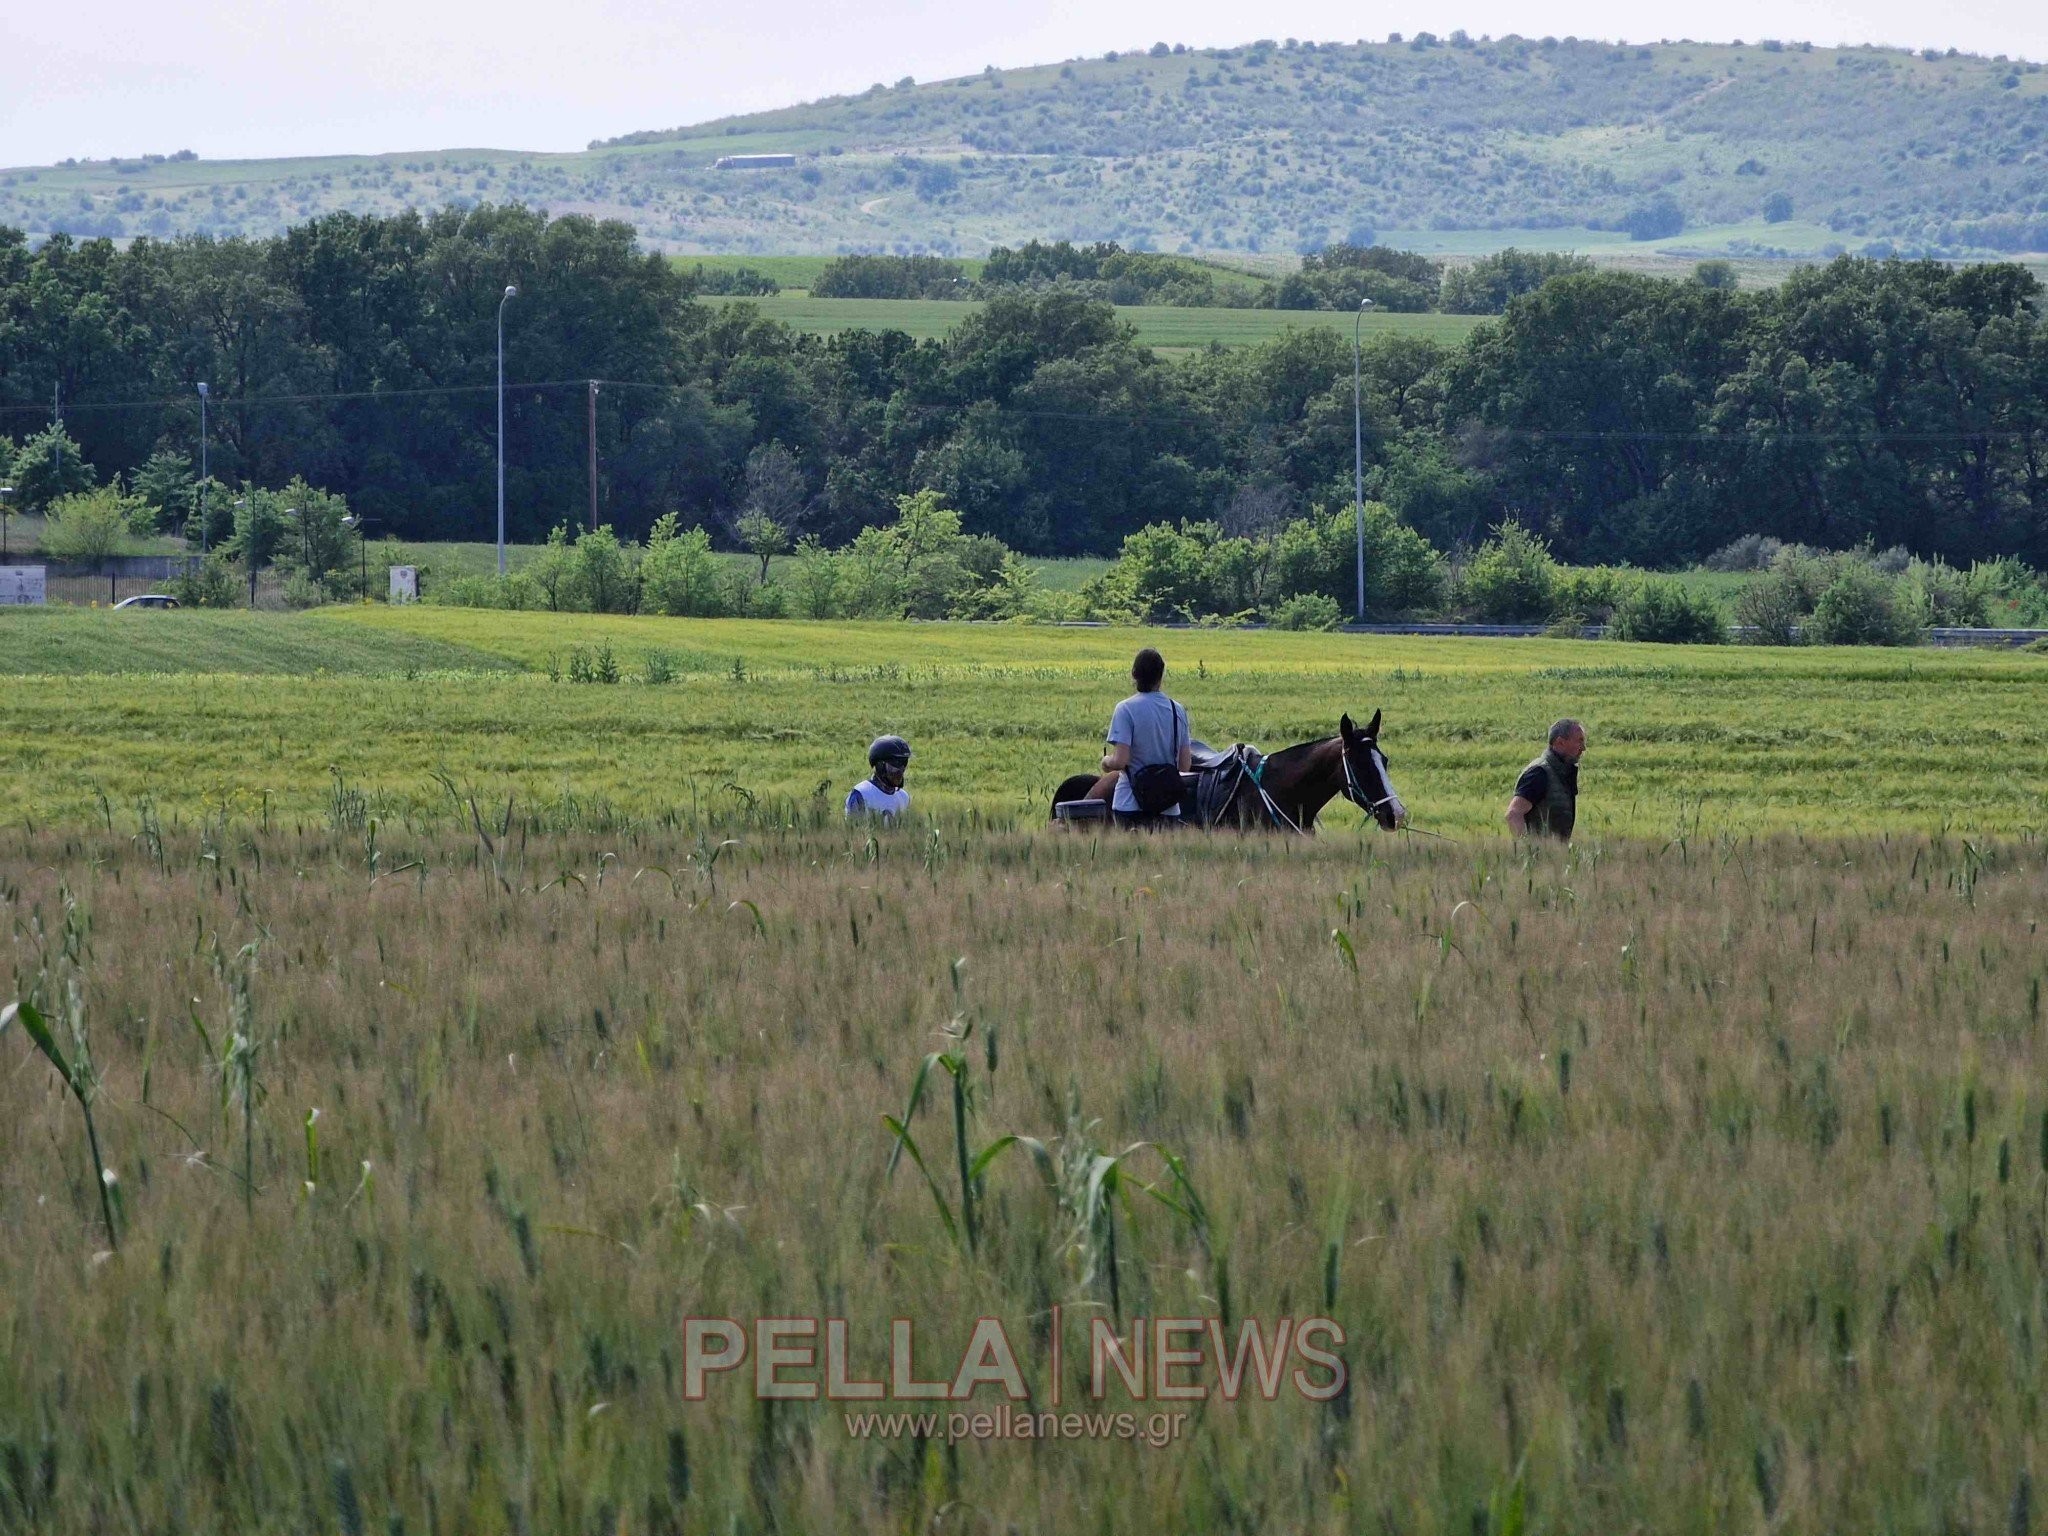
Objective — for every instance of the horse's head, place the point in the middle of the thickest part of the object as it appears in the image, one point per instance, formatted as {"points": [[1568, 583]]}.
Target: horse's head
{"points": [[1367, 784]]}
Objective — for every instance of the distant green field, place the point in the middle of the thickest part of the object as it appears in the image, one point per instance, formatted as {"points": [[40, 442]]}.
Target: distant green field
{"points": [[790, 271], [1816, 738], [1162, 327]]}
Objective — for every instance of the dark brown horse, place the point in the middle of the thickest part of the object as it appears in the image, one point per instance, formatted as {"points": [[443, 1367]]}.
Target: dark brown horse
{"points": [[1297, 782]]}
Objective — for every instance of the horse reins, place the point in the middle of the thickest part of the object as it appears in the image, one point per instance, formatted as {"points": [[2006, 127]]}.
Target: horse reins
{"points": [[1355, 792]]}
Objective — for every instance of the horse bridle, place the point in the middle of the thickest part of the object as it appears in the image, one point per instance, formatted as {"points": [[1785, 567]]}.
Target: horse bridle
{"points": [[1354, 791]]}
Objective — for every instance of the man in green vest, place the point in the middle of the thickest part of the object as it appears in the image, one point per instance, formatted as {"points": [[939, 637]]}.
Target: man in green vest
{"points": [[1546, 799]]}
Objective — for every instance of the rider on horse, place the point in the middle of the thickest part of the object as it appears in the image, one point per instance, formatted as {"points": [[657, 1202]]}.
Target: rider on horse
{"points": [[1150, 747]]}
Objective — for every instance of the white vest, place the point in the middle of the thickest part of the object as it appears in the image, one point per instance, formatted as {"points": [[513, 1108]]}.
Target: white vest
{"points": [[870, 799]]}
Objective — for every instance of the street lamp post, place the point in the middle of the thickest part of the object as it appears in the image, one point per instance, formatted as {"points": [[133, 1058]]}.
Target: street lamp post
{"points": [[357, 522], [202, 468], [6, 495], [1358, 454], [511, 293]]}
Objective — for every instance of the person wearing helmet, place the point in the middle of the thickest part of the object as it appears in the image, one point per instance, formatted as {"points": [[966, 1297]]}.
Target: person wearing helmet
{"points": [[882, 793]]}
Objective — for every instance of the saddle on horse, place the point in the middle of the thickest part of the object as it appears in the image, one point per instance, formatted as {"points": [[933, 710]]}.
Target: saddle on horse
{"points": [[1210, 794]]}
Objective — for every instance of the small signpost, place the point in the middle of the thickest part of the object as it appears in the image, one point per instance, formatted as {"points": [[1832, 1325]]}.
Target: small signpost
{"points": [[22, 585], [405, 583]]}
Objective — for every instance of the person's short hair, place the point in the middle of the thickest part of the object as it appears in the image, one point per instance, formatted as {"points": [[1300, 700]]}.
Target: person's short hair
{"points": [[1565, 727], [1148, 669]]}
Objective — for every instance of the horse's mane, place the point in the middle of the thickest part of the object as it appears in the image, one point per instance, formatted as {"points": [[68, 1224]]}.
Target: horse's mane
{"points": [[1287, 757]]}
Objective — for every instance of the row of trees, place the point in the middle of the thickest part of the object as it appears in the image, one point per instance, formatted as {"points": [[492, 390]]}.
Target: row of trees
{"points": [[1337, 277], [1303, 576], [1622, 418], [920, 566]]}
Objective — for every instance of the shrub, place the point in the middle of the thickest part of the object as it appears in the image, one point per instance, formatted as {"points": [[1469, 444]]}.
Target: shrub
{"points": [[1668, 613], [209, 584], [680, 575], [1806, 573], [302, 591], [553, 572], [90, 526], [604, 572], [1167, 569], [1771, 608], [1590, 594], [1860, 607], [813, 579], [1512, 579], [515, 590], [1938, 593], [1751, 552], [1308, 610]]}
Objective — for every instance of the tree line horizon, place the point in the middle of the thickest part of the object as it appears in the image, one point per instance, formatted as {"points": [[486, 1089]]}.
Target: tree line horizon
{"points": [[1619, 417]]}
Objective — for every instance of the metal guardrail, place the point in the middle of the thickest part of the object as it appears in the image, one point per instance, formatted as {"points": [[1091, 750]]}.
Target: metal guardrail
{"points": [[1940, 635]]}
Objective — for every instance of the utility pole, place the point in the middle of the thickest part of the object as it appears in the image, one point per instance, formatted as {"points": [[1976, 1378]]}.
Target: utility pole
{"points": [[511, 293], [1358, 455], [593, 453], [202, 469], [57, 443]]}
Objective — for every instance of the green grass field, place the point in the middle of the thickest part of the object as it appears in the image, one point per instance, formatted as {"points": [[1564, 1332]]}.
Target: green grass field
{"points": [[453, 1036], [188, 709], [1162, 327]]}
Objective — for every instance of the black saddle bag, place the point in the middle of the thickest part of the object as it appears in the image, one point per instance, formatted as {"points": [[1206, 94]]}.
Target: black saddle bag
{"points": [[1156, 786]]}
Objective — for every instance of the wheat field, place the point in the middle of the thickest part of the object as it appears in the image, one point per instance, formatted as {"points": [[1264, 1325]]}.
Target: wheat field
{"points": [[1692, 1186]]}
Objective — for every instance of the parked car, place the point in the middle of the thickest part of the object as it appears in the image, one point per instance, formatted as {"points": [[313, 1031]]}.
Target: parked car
{"points": [[147, 600]]}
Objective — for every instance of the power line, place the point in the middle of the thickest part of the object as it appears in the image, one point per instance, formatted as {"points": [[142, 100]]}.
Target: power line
{"points": [[1111, 418]]}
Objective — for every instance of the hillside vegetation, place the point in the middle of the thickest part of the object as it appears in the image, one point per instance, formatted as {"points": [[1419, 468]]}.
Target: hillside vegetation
{"points": [[1275, 147]]}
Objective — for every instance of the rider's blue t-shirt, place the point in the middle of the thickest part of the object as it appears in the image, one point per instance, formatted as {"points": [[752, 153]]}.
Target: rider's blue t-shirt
{"points": [[1149, 724]]}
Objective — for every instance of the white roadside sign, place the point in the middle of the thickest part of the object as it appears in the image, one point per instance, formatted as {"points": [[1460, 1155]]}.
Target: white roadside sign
{"points": [[20, 584], [405, 584]]}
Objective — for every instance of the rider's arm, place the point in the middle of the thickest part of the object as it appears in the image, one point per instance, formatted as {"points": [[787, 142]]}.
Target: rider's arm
{"points": [[1118, 757]]}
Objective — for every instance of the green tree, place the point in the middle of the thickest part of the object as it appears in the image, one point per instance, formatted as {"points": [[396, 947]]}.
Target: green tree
{"points": [[166, 483], [318, 543], [763, 538], [1487, 286], [49, 467], [261, 528], [1777, 208]]}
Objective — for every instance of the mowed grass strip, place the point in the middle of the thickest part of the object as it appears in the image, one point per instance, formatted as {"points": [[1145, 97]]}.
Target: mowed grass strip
{"points": [[1726, 738], [62, 641], [1657, 1188]]}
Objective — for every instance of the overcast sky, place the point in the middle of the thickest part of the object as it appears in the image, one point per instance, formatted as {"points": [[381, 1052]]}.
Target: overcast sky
{"points": [[231, 78]]}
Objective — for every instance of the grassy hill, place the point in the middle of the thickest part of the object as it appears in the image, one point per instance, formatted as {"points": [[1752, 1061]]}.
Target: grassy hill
{"points": [[1452, 145]]}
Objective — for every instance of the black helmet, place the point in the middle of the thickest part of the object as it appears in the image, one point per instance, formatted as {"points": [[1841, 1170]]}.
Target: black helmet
{"points": [[888, 749]]}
